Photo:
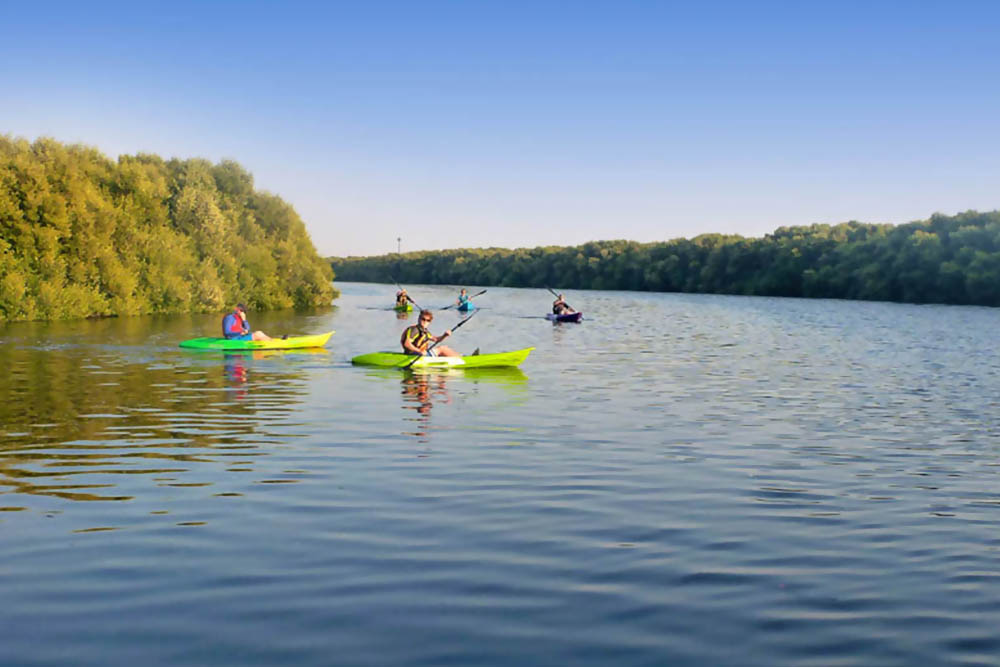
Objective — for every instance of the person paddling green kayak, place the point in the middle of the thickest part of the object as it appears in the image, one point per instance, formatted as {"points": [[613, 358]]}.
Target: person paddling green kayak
{"points": [[235, 326], [417, 339]]}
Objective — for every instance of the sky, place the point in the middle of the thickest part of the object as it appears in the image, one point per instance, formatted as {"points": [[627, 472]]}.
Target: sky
{"points": [[518, 124]]}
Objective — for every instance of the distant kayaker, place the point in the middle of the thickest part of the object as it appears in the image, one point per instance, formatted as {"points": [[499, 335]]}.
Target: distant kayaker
{"points": [[560, 307], [416, 338], [402, 298], [236, 327], [463, 299]]}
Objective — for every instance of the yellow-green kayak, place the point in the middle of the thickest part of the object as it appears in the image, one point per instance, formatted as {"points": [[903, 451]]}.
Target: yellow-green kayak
{"points": [[290, 343], [400, 360]]}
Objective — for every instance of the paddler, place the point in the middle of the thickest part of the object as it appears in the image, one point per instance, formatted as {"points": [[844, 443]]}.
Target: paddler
{"points": [[417, 339], [236, 327], [401, 297], [463, 299], [560, 307]]}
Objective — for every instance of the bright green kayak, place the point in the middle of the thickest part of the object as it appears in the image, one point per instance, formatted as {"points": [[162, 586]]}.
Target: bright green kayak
{"points": [[403, 309], [290, 343], [399, 360]]}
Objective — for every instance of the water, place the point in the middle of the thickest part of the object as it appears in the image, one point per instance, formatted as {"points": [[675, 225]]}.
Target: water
{"points": [[680, 479]]}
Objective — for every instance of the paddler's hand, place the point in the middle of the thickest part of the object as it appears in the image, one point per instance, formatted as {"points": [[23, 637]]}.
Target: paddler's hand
{"points": [[446, 334]]}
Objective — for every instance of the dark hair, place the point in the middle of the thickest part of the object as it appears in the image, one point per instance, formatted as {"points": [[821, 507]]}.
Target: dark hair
{"points": [[241, 306], [428, 313]]}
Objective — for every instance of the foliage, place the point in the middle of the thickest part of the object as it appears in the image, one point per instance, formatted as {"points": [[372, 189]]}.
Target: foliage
{"points": [[946, 259], [84, 236]]}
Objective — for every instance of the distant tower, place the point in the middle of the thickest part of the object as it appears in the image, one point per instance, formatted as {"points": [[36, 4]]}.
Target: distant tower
{"points": [[399, 244]]}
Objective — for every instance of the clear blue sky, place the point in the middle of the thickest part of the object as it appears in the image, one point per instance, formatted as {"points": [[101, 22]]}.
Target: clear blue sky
{"points": [[455, 124]]}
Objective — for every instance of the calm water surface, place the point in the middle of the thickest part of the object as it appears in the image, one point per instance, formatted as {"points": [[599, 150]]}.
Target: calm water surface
{"points": [[680, 479]]}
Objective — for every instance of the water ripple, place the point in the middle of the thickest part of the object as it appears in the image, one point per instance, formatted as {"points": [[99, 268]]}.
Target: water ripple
{"points": [[680, 479]]}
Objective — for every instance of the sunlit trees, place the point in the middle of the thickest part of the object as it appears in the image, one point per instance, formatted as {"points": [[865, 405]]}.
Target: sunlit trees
{"points": [[84, 236]]}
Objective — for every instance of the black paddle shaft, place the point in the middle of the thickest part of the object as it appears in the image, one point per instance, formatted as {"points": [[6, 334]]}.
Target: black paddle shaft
{"points": [[556, 295]]}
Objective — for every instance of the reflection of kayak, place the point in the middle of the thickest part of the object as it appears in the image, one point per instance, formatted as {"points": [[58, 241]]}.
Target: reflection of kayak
{"points": [[466, 307], [400, 360], [292, 342], [270, 353], [405, 308], [565, 317], [503, 375], [509, 375]]}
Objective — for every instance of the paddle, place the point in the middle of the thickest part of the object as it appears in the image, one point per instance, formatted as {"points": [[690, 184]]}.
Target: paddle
{"points": [[470, 299], [438, 341], [556, 295]]}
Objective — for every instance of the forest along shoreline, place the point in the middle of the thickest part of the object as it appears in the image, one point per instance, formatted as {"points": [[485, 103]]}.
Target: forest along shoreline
{"points": [[945, 259]]}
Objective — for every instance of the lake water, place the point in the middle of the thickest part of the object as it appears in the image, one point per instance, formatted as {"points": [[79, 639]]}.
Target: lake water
{"points": [[679, 479]]}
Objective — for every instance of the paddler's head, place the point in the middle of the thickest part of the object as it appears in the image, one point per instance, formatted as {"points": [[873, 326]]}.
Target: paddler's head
{"points": [[425, 319]]}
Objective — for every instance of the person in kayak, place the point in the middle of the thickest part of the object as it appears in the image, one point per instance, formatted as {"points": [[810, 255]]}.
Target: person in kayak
{"points": [[463, 299], [236, 327], [416, 338], [560, 307], [401, 298]]}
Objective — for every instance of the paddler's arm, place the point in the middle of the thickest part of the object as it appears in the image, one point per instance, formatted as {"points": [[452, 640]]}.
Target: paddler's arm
{"points": [[443, 336]]}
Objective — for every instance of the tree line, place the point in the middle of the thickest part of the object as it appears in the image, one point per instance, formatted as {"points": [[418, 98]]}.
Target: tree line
{"points": [[945, 259], [84, 236]]}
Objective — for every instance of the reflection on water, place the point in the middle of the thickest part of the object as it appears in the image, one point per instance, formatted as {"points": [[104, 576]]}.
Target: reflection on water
{"points": [[79, 419], [422, 389], [237, 364], [237, 371]]}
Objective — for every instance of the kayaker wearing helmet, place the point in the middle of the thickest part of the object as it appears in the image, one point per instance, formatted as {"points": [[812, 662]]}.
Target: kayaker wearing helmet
{"points": [[236, 327], [416, 339], [560, 307]]}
